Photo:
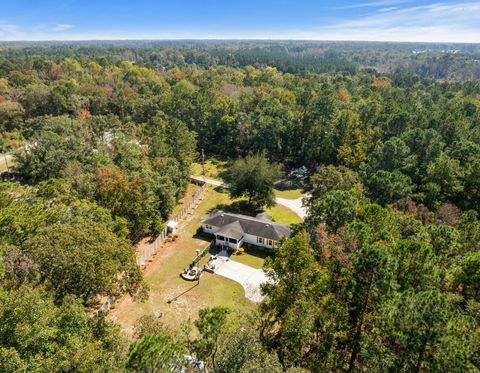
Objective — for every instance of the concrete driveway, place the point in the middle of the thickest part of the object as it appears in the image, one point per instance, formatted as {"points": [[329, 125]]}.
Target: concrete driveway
{"points": [[296, 205], [250, 278]]}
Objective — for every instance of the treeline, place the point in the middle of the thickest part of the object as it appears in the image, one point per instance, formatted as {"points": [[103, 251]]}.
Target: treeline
{"points": [[447, 61], [85, 186]]}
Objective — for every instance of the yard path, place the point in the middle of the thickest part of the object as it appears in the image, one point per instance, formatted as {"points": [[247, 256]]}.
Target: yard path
{"points": [[250, 278], [296, 205]]}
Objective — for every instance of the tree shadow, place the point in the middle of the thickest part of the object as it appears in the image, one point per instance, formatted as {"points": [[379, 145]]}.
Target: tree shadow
{"points": [[240, 207], [201, 235], [225, 174], [290, 184], [220, 189]]}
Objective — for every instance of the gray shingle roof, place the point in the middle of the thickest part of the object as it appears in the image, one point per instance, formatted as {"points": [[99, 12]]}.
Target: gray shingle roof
{"points": [[232, 230], [250, 225]]}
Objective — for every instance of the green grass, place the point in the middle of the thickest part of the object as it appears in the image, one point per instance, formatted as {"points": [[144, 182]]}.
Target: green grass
{"points": [[284, 215], [214, 169], [289, 193], [165, 284], [252, 257], [163, 274]]}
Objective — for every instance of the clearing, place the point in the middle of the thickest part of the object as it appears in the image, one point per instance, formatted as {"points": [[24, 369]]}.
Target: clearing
{"points": [[162, 275], [214, 169]]}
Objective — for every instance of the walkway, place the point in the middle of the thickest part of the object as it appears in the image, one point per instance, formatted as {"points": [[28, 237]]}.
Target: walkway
{"points": [[296, 205]]}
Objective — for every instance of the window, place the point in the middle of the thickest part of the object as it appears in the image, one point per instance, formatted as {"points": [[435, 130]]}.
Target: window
{"points": [[220, 238], [232, 240], [260, 240], [270, 243]]}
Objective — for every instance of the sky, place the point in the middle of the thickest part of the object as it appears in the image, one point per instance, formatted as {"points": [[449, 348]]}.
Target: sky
{"points": [[378, 20]]}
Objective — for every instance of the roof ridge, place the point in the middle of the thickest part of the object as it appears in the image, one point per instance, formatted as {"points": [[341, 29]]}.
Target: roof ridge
{"points": [[247, 217]]}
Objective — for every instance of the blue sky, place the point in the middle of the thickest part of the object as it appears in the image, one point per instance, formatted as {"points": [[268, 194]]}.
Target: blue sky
{"points": [[397, 20]]}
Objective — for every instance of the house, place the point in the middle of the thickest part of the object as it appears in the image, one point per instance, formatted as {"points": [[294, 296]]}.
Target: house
{"points": [[233, 230]]}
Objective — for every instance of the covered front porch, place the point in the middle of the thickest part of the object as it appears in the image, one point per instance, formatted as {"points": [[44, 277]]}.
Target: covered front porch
{"points": [[230, 236]]}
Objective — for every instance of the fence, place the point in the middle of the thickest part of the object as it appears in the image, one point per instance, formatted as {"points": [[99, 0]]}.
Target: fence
{"points": [[164, 233], [152, 248]]}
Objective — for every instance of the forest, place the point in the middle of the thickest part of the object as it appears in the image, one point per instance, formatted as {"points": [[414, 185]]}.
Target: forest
{"points": [[383, 274]]}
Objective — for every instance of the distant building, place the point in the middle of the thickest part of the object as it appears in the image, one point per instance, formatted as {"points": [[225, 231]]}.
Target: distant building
{"points": [[300, 173], [233, 230]]}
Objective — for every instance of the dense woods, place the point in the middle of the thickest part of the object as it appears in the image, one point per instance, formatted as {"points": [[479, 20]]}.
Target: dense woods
{"points": [[384, 274]]}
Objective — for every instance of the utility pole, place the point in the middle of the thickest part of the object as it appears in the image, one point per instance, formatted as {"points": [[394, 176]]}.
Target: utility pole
{"points": [[203, 162]]}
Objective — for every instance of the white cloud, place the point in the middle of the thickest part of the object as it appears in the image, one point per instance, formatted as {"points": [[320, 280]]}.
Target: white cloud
{"points": [[429, 23], [372, 4], [437, 22], [62, 27], [388, 9], [6, 28]]}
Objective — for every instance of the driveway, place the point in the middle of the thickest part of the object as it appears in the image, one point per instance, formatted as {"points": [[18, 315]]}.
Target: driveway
{"points": [[250, 278], [296, 205]]}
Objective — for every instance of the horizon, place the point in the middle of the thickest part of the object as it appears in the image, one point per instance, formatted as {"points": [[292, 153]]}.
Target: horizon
{"points": [[284, 20], [66, 41]]}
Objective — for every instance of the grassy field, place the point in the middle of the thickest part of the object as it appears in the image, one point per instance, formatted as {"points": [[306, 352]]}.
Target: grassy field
{"points": [[289, 193], [214, 169], [176, 299]]}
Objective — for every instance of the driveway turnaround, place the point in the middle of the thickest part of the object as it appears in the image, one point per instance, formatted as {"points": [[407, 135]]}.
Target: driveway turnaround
{"points": [[250, 278], [296, 205]]}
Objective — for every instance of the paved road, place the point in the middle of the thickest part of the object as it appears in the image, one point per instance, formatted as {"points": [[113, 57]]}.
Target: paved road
{"points": [[296, 205]]}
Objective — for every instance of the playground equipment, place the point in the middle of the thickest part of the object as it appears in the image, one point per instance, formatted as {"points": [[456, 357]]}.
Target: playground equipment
{"points": [[193, 272]]}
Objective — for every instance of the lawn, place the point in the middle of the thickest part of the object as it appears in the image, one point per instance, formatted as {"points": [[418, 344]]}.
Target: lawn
{"points": [[284, 215], [162, 276], [214, 169], [289, 193], [279, 213], [252, 257], [178, 300]]}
